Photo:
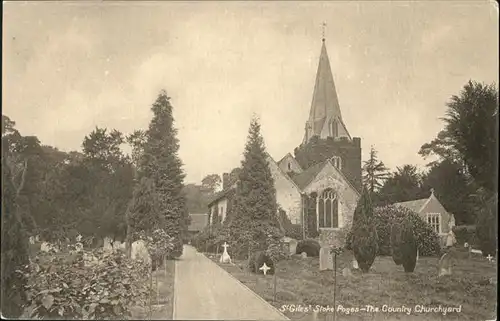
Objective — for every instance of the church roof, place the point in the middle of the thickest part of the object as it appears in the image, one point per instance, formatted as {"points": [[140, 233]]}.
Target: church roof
{"points": [[303, 179], [415, 205], [325, 103]]}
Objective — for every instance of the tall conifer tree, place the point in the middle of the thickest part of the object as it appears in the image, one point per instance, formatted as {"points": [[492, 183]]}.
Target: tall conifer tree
{"points": [[14, 250], [255, 221], [159, 200]]}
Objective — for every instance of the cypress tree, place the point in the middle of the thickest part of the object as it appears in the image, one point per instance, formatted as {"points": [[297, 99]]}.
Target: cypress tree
{"points": [[254, 223], [364, 233], [408, 246], [159, 200], [14, 248]]}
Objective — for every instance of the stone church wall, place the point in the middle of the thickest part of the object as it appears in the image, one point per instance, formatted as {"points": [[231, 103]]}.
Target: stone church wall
{"points": [[329, 178], [287, 194], [318, 150]]}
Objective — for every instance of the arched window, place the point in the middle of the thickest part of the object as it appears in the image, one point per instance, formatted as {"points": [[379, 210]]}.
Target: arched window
{"points": [[328, 209], [334, 128], [336, 161]]}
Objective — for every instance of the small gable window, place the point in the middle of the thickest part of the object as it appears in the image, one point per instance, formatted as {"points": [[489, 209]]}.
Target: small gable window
{"points": [[336, 161], [289, 166], [434, 220]]}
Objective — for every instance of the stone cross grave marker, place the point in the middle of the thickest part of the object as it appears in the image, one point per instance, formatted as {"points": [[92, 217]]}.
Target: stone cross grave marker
{"points": [[225, 258], [264, 268], [489, 257]]}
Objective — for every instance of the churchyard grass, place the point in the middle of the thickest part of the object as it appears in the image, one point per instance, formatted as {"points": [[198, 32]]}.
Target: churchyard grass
{"points": [[301, 283]]}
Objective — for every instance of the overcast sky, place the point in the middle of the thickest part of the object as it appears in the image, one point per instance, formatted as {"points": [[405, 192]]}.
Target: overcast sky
{"points": [[70, 67]]}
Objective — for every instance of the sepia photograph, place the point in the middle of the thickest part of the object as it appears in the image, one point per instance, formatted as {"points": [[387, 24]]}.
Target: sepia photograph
{"points": [[250, 160]]}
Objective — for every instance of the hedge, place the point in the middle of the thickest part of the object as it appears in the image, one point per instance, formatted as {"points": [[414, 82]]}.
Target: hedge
{"points": [[465, 234], [427, 240]]}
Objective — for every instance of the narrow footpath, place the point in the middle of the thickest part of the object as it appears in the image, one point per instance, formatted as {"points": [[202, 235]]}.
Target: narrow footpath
{"points": [[204, 291]]}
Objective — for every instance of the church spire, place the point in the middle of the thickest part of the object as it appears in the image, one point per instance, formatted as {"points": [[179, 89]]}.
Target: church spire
{"points": [[325, 118]]}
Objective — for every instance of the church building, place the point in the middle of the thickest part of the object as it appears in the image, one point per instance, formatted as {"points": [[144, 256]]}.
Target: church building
{"points": [[318, 187]]}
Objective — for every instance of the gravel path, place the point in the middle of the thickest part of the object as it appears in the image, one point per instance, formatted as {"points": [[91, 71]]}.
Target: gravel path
{"points": [[205, 291]]}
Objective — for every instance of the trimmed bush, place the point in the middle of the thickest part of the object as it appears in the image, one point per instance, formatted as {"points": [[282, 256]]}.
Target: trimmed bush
{"points": [[257, 259], [465, 234], [427, 240], [364, 233], [486, 228], [310, 246], [395, 242], [404, 246]]}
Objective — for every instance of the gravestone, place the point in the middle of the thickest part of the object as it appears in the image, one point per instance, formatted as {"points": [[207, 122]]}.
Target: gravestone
{"points": [[293, 246], [303, 255], [225, 258], [139, 251], [117, 245], [346, 272], [445, 263], [108, 244], [325, 259], [355, 264]]}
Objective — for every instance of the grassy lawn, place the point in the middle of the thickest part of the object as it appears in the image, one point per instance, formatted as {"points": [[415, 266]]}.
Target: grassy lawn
{"points": [[301, 284]]}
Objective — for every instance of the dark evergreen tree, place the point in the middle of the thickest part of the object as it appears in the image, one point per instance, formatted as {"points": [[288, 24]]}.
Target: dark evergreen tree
{"points": [[161, 203], [364, 233], [254, 223], [14, 248], [404, 244]]}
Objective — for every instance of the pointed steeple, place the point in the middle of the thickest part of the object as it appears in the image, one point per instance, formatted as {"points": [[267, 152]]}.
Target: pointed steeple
{"points": [[325, 118]]}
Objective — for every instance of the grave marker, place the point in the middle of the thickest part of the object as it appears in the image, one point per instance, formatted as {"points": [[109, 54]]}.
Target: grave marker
{"points": [[264, 268], [325, 259], [445, 265], [225, 258]]}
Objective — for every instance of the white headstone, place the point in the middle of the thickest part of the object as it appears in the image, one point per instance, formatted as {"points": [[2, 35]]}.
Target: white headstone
{"points": [[139, 251], [32, 240], [225, 258], [108, 244], [293, 246], [78, 238], [450, 239], [325, 259], [45, 247], [304, 255], [355, 264]]}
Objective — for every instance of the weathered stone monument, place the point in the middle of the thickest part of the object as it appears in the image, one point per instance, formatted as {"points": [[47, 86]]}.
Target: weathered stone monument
{"points": [[108, 244], [303, 255], [346, 272], [292, 246], [445, 263], [225, 258], [139, 251], [325, 259]]}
